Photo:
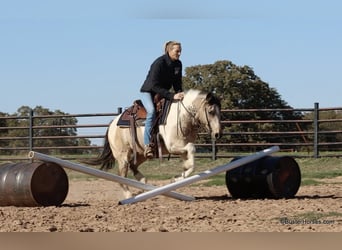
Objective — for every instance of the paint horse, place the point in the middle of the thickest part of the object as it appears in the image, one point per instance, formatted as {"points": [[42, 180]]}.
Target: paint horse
{"points": [[185, 118]]}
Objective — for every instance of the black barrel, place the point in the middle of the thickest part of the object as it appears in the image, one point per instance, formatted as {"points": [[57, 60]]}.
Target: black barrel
{"points": [[269, 177], [33, 184]]}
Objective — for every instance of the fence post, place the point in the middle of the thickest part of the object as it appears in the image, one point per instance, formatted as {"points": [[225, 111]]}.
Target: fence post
{"points": [[316, 130], [213, 146], [31, 131]]}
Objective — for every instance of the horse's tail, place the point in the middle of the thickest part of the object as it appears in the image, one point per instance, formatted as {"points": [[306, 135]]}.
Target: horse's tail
{"points": [[105, 158]]}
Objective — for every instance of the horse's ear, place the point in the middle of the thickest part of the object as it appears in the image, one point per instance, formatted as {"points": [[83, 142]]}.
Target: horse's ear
{"points": [[212, 99]]}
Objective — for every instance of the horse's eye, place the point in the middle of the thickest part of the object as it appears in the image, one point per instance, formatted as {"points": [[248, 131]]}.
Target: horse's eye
{"points": [[211, 110]]}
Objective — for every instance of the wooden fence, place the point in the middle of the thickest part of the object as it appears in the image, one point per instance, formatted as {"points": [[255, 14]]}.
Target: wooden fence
{"points": [[307, 139]]}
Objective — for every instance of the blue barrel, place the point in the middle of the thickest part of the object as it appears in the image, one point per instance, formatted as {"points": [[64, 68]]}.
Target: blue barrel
{"points": [[269, 177], [33, 184]]}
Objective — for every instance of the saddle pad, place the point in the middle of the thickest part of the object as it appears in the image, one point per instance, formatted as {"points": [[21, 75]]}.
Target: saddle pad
{"points": [[126, 123]]}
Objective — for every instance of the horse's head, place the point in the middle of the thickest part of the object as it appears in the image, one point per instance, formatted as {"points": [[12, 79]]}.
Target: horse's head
{"points": [[212, 115], [207, 111]]}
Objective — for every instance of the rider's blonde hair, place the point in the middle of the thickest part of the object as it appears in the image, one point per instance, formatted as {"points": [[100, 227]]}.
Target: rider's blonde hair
{"points": [[169, 44]]}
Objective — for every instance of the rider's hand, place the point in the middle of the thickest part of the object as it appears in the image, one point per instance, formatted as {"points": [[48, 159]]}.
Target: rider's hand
{"points": [[179, 96]]}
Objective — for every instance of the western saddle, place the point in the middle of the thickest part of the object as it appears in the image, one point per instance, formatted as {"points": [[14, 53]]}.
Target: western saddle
{"points": [[135, 116]]}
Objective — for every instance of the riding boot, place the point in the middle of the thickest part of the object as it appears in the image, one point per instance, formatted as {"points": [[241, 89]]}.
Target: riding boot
{"points": [[148, 153]]}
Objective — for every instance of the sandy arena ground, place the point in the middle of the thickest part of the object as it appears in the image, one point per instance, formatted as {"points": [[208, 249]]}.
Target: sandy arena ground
{"points": [[92, 206]]}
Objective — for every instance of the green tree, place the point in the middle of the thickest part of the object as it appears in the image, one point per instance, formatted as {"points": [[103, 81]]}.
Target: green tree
{"points": [[240, 88], [3, 132], [19, 129], [52, 129]]}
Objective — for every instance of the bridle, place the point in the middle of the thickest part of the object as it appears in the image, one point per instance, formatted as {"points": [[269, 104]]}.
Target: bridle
{"points": [[192, 115]]}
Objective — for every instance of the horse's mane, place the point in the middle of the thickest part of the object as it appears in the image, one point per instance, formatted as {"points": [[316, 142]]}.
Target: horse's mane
{"points": [[208, 96]]}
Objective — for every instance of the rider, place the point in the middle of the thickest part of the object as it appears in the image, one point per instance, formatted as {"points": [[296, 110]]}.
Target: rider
{"points": [[165, 72]]}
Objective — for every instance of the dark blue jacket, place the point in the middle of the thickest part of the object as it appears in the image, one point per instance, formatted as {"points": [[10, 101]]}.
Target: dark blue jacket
{"points": [[164, 74]]}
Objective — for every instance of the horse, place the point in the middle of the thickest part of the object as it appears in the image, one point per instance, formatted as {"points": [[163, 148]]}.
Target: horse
{"points": [[185, 118]]}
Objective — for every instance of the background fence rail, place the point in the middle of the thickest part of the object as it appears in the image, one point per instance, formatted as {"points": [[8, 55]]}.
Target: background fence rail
{"points": [[309, 142]]}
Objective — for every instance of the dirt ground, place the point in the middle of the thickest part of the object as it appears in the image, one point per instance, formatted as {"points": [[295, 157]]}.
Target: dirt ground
{"points": [[92, 206]]}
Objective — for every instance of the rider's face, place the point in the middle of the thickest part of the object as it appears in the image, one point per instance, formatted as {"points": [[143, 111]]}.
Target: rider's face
{"points": [[175, 52]]}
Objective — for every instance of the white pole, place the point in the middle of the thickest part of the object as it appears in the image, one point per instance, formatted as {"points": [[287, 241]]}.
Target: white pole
{"points": [[230, 166], [104, 175]]}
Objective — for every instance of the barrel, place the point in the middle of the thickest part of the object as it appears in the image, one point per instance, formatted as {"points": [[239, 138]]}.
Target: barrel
{"points": [[269, 177], [32, 184]]}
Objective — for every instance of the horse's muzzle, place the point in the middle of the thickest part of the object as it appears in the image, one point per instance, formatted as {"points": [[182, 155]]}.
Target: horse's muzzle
{"points": [[216, 136]]}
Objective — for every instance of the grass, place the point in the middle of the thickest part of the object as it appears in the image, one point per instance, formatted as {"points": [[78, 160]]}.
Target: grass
{"points": [[316, 215], [313, 171], [317, 171], [310, 182]]}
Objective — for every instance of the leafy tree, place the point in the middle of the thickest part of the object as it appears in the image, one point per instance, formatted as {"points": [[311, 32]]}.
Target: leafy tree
{"points": [[240, 88], [3, 131], [53, 129], [237, 86]]}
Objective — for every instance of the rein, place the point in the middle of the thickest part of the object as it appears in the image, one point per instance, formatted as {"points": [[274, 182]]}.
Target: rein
{"points": [[192, 115]]}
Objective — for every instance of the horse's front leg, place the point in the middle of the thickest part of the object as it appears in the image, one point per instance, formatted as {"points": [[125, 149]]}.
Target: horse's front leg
{"points": [[134, 167], [188, 155]]}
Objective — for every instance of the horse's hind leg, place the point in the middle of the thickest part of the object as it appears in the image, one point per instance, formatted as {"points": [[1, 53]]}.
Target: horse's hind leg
{"points": [[124, 165], [123, 171]]}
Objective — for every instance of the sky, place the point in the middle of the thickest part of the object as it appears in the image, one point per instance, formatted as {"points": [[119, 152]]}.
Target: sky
{"points": [[86, 56]]}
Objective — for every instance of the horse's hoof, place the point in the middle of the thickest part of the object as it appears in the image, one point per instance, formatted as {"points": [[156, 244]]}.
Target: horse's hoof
{"points": [[127, 195], [177, 178]]}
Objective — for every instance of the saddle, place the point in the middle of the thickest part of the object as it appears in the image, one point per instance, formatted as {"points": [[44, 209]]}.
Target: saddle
{"points": [[135, 116], [137, 111]]}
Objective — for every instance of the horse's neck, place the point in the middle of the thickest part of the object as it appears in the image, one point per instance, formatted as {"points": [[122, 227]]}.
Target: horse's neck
{"points": [[182, 119]]}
